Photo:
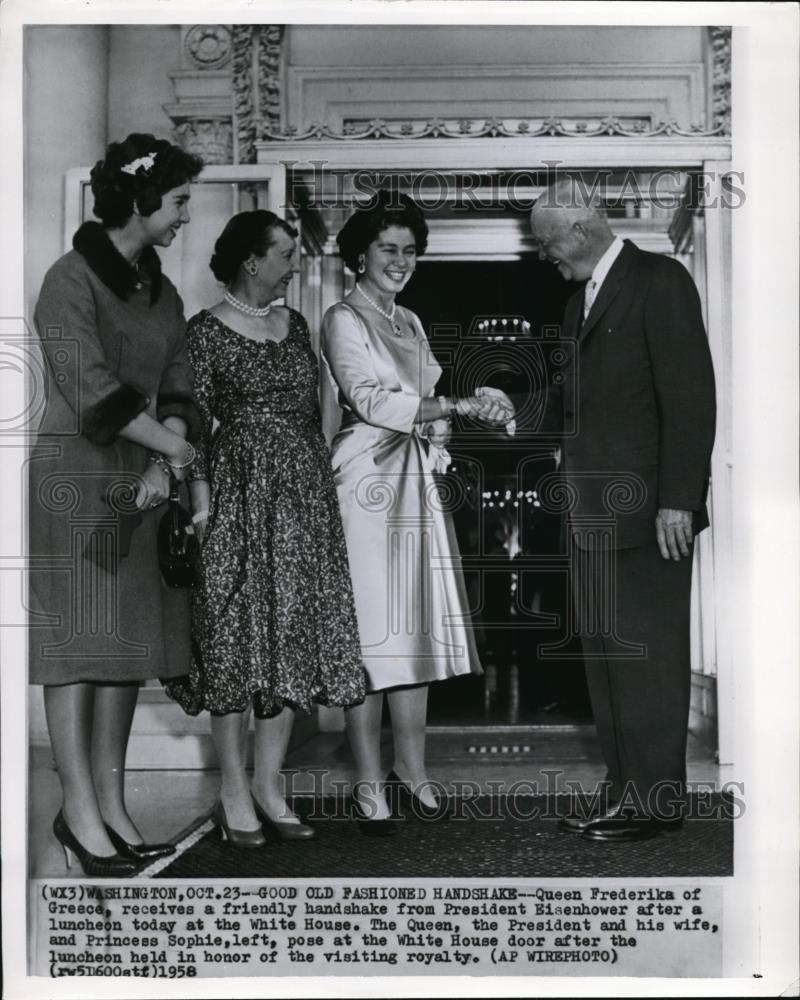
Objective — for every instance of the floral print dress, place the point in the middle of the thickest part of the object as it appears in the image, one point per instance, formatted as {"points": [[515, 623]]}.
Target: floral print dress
{"points": [[273, 617]]}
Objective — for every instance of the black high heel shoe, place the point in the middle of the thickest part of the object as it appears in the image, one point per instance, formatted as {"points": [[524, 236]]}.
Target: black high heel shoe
{"points": [[399, 789], [138, 852], [373, 827], [93, 865], [248, 839], [283, 831]]}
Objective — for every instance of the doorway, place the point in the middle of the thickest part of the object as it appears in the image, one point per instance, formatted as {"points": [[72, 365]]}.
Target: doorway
{"points": [[520, 683], [314, 175]]}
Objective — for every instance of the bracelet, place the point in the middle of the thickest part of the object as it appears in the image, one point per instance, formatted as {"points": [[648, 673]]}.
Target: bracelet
{"points": [[201, 515], [447, 406], [160, 461], [192, 455]]}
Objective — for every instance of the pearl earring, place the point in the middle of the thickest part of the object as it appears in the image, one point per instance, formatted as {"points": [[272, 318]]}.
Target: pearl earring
{"points": [[362, 267]]}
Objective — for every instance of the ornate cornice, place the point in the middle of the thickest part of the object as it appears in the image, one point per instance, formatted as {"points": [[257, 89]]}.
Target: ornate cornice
{"points": [[482, 128], [243, 114], [269, 83], [257, 105], [720, 43]]}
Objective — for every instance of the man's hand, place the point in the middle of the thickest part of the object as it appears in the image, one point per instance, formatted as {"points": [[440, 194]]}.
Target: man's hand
{"points": [[674, 533], [494, 406]]}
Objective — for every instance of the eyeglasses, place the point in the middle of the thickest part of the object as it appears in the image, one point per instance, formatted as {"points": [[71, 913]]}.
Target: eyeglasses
{"points": [[541, 246]]}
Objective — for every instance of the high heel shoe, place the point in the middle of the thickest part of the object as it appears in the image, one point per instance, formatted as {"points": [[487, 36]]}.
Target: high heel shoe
{"points": [[138, 852], [283, 831], [433, 814], [248, 839], [93, 865], [373, 827]]}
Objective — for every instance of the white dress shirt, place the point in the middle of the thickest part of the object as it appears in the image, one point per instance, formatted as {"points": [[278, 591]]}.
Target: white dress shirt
{"points": [[601, 269]]}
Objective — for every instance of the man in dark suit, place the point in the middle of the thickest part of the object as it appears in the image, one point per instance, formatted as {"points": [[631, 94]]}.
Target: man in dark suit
{"points": [[641, 406]]}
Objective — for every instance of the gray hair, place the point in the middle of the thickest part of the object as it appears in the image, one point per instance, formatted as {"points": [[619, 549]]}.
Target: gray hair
{"points": [[570, 200]]}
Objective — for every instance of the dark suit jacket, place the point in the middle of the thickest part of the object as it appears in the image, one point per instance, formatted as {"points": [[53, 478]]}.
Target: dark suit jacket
{"points": [[642, 399]]}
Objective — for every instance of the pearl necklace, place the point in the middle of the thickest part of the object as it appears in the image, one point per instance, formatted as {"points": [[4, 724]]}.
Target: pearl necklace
{"points": [[243, 307], [390, 316]]}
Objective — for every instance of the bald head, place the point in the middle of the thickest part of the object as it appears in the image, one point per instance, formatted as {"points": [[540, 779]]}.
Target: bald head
{"points": [[570, 228]]}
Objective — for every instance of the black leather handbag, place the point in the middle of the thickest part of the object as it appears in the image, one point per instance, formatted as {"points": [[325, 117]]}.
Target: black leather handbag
{"points": [[178, 549]]}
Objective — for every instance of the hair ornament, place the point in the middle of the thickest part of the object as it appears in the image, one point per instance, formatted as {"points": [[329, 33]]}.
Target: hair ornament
{"points": [[145, 163]]}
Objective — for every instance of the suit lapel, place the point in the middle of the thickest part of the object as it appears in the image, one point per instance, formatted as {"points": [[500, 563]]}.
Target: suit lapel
{"points": [[573, 316], [609, 289]]}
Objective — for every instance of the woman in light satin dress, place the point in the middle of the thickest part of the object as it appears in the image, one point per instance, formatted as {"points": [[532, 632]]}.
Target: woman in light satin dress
{"points": [[409, 590]]}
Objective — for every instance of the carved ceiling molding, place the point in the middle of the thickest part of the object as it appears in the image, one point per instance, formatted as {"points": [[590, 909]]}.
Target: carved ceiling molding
{"points": [[201, 110], [209, 138], [720, 42], [208, 46], [256, 84], [482, 128]]}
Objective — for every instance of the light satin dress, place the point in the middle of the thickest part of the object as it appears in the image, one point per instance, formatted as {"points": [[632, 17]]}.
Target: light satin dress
{"points": [[410, 597]]}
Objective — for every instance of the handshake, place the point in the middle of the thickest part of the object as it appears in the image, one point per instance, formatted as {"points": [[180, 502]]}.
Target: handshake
{"points": [[490, 406]]}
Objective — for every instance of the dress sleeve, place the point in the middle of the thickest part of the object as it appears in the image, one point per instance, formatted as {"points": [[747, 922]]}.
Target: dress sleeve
{"points": [[175, 395], [353, 369], [199, 355], [66, 319]]}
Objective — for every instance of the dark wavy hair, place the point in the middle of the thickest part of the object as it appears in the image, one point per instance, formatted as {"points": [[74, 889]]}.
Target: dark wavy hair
{"points": [[245, 234], [117, 193], [386, 209]]}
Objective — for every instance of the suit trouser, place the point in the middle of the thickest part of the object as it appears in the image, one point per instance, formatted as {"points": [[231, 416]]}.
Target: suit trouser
{"points": [[635, 597]]}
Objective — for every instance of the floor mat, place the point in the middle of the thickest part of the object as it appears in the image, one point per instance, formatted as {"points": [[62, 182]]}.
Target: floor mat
{"points": [[486, 836]]}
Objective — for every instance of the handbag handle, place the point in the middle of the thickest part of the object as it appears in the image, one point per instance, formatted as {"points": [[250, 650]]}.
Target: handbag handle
{"points": [[174, 507]]}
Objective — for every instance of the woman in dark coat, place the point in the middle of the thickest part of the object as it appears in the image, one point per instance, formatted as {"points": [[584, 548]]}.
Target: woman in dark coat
{"points": [[119, 419]]}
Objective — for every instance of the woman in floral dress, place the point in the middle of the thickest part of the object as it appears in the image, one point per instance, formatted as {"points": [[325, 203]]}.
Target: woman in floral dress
{"points": [[273, 615]]}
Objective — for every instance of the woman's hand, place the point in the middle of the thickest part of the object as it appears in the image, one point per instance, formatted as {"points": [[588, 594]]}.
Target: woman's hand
{"points": [[200, 522], [486, 407], [153, 489], [438, 432], [200, 495]]}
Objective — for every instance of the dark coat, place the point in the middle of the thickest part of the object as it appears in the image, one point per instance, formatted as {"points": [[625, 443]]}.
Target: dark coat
{"points": [[641, 401], [113, 341]]}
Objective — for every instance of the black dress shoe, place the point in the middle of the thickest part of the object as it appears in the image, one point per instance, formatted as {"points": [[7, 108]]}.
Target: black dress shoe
{"points": [[575, 824], [138, 852], [93, 865], [624, 829], [373, 827], [410, 800]]}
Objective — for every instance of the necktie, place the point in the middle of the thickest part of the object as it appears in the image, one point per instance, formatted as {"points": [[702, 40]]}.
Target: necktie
{"points": [[588, 296]]}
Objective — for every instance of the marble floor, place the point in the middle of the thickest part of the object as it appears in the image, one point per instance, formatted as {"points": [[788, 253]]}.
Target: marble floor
{"points": [[166, 803]]}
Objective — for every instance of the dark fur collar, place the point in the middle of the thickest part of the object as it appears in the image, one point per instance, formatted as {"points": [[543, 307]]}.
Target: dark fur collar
{"points": [[93, 244]]}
